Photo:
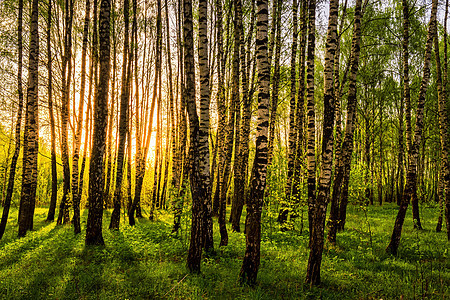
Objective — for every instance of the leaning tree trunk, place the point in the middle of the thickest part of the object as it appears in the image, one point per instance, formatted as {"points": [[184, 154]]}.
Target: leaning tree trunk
{"points": [[76, 195], [241, 174], [123, 121], [53, 198], [250, 264], [96, 177], [226, 128], [334, 205], [15, 158], [63, 216], [411, 177], [340, 185], [320, 204], [31, 133]]}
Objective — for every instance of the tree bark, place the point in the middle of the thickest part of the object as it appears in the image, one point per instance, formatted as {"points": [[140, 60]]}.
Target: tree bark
{"points": [[124, 116], [76, 195], [31, 133], [198, 177], [203, 150], [250, 264], [411, 176], [311, 135], [241, 168], [292, 143], [53, 199], [340, 185], [15, 158], [225, 129], [96, 177], [320, 205], [63, 215], [441, 83]]}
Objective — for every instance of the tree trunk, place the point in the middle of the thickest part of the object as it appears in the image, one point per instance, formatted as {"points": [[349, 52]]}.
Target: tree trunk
{"points": [[299, 165], [31, 133], [413, 153], [63, 215], [250, 264], [311, 135], [76, 194], [199, 177], [124, 116], [203, 150], [323, 195], [445, 84], [96, 177], [292, 143], [340, 185], [225, 128], [276, 32], [241, 169], [443, 121], [53, 199], [15, 158]]}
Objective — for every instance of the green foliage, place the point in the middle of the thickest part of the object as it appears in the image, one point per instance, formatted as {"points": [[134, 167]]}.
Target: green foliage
{"points": [[148, 262]]}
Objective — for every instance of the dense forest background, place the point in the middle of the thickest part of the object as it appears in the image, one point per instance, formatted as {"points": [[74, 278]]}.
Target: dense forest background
{"points": [[230, 124]]}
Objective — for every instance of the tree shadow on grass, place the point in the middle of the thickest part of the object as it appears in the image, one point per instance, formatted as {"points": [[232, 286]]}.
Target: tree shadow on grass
{"points": [[13, 251], [35, 272]]}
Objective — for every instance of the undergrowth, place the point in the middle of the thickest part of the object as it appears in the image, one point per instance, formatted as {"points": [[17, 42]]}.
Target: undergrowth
{"points": [[148, 262]]}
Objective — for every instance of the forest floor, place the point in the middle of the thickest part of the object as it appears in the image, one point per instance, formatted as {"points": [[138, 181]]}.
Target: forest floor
{"points": [[148, 262]]}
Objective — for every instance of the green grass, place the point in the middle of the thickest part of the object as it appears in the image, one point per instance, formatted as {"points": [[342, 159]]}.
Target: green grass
{"points": [[148, 262]]}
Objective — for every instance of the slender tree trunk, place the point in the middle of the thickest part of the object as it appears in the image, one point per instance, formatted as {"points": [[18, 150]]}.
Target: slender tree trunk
{"points": [[76, 195], [411, 177], [401, 153], [53, 199], [93, 79], [334, 206], [445, 85], [199, 161], [311, 135], [15, 158], [342, 178], [250, 264], [443, 120], [124, 116], [300, 115], [225, 129], [63, 216], [276, 31], [31, 133], [203, 150], [323, 195], [143, 147], [292, 143], [241, 168], [177, 150], [96, 177]]}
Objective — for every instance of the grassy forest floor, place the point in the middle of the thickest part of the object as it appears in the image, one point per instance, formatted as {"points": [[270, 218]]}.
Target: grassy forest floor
{"points": [[148, 262]]}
